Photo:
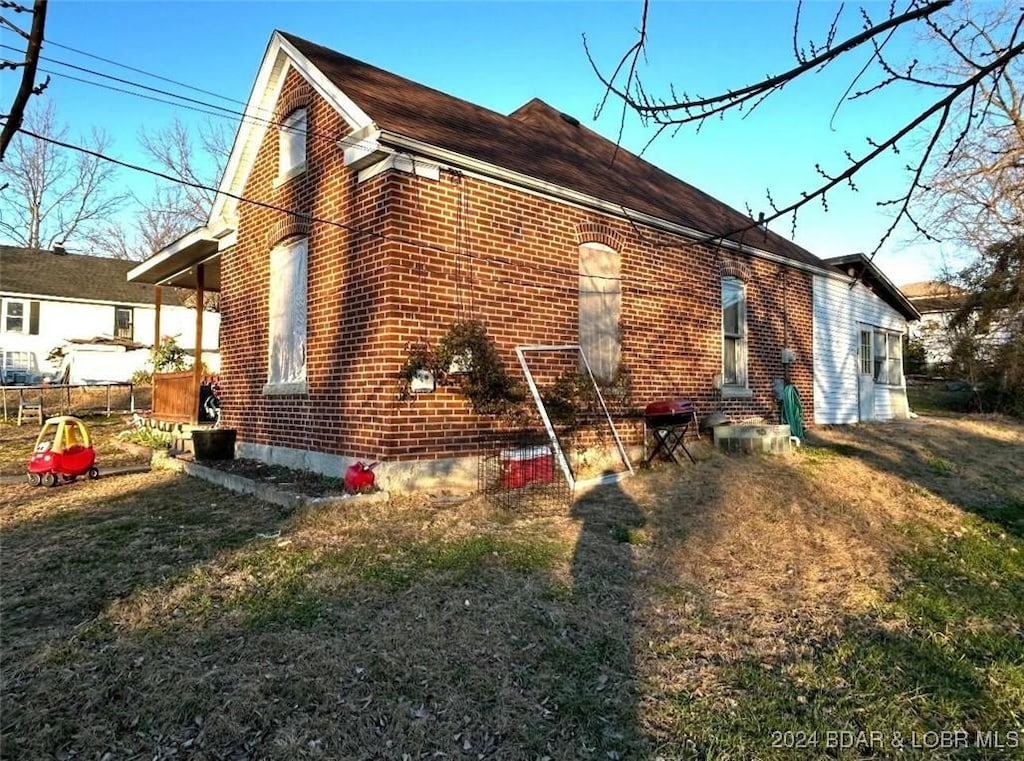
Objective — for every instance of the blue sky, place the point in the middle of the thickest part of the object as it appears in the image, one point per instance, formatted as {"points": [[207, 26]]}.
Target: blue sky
{"points": [[501, 54]]}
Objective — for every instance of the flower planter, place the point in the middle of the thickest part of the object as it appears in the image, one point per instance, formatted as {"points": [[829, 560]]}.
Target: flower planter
{"points": [[214, 444]]}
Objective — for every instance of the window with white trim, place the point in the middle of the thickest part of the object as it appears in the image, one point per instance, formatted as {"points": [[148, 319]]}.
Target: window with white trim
{"points": [[888, 358], [123, 323], [16, 366], [292, 145], [600, 309], [20, 316], [734, 334], [286, 351]]}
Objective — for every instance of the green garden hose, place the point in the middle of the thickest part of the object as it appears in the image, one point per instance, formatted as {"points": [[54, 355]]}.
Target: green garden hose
{"points": [[793, 411]]}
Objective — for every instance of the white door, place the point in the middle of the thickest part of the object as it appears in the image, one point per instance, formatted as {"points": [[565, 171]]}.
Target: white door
{"points": [[865, 376]]}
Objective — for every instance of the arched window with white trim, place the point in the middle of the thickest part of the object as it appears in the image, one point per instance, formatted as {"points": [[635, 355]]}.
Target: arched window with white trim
{"points": [[291, 157], [734, 334], [600, 309], [286, 313]]}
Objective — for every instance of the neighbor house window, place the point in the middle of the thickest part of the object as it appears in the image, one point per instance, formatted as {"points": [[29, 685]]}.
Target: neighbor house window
{"points": [[123, 324], [888, 358], [20, 316], [292, 145], [17, 365], [286, 372], [734, 333], [600, 309]]}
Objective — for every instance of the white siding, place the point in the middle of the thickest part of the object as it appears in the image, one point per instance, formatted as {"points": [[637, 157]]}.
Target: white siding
{"points": [[839, 313], [60, 321]]}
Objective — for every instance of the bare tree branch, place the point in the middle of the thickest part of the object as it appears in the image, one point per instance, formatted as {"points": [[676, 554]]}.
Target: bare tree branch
{"points": [[54, 196], [962, 110]]}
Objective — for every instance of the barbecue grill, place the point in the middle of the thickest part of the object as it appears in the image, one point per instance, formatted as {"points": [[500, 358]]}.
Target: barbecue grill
{"points": [[668, 421]]}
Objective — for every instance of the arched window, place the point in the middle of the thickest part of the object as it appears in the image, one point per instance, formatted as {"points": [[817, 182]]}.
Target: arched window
{"points": [[734, 333], [286, 313], [291, 159], [600, 309]]}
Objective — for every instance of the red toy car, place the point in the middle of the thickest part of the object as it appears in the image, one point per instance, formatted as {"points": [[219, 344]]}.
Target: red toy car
{"points": [[63, 451]]}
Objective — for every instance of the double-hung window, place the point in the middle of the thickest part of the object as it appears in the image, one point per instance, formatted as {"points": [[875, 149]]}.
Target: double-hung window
{"points": [[20, 316], [888, 358], [734, 334], [286, 351]]}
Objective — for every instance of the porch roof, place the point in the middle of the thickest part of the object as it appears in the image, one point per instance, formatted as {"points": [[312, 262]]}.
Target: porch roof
{"points": [[176, 263]]}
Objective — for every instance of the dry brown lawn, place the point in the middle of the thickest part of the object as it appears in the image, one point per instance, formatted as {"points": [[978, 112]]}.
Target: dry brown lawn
{"points": [[686, 613], [17, 442]]}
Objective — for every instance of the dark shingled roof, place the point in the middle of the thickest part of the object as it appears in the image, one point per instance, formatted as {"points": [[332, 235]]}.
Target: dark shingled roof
{"points": [[537, 141], [73, 276]]}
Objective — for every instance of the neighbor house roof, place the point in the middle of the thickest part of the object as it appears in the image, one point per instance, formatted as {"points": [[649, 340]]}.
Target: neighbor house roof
{"points": [[933, 296], [861, 267], [538, 141], [35, 272]]}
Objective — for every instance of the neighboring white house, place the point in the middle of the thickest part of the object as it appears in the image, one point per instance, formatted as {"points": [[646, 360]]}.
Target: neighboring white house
{"points": [[859, 322], [85, 306]]}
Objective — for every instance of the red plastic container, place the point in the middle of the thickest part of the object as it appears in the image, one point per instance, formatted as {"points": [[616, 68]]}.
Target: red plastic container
{"points": [[525, 466], [359, 477]]}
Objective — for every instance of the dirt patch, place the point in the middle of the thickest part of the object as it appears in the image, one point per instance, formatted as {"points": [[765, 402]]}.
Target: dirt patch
{"points": [[288, 479]]}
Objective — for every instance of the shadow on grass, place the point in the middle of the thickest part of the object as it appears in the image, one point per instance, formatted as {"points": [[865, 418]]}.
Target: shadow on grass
{"points": [[977, 473], [940, 654], [393, 640], [68, 552]]}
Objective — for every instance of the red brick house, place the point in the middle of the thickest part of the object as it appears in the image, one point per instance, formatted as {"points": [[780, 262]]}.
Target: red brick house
{"points": [[362, 213]]}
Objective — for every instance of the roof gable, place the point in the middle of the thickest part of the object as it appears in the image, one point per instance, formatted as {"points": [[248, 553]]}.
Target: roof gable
{"points": [[536, 141], [863, 269]]}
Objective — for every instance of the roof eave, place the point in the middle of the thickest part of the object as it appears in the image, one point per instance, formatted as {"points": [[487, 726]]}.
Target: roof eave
{"points": [[173, 264], [897, 299], [371, 144]]}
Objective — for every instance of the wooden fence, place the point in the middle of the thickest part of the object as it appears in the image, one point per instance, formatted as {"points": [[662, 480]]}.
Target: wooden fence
{"points": [[175, 397]]}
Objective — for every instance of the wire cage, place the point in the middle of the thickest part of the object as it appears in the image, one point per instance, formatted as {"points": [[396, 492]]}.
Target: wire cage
{"points": [[520, 467]]}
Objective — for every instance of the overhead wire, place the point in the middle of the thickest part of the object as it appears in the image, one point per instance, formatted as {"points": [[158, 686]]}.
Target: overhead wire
{"points": [[162, 78], [424, 245], [510, 273]]}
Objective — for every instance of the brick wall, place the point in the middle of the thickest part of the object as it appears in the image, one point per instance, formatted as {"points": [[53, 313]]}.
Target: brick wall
{"points": [[435, 251]]}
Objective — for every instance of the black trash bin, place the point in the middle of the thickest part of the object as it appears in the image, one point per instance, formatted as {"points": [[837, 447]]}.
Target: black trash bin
{"points": [[214, 443]]}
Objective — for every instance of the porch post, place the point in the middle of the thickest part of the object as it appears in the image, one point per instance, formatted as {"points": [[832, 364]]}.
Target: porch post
{"points": [[158, 300], [197, 362]]}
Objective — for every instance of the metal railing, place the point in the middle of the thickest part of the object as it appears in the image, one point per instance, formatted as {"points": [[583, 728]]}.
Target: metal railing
{"points": [[66, 398]]}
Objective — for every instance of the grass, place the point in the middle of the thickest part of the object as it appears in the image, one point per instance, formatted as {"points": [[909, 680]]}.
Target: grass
{"points": [[871, 582], [17, 443], [934, 398]]}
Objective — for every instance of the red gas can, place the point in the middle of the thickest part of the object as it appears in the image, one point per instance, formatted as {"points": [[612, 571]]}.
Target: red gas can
{"points": [[359, 477]]}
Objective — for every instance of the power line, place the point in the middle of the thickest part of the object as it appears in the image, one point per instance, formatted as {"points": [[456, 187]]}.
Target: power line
{"points": [[494, 260], [222, 111], [145, 73]]}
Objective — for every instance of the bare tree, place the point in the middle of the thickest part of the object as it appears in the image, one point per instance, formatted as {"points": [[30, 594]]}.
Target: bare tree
{"points": [[50, 195], [959, 111], [171, 209], [974, 194]]}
